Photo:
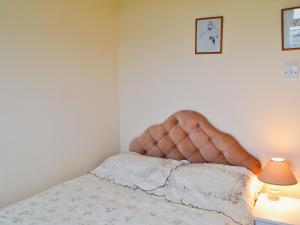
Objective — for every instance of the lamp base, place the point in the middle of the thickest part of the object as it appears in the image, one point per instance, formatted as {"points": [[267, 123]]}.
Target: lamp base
{"points": [[273, 193]]}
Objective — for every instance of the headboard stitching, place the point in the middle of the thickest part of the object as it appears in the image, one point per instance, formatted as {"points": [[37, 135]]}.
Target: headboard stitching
{"points": [[188, 135]]}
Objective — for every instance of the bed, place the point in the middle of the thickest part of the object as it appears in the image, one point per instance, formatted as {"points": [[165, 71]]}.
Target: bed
{"points": [[182, 171]]}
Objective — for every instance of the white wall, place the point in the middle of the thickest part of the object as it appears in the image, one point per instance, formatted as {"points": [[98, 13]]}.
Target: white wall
{"points": [[59, 110], [241, 91]]}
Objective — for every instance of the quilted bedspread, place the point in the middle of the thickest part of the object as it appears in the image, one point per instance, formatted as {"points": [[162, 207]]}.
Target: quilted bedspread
{"points": [[90, 200]]}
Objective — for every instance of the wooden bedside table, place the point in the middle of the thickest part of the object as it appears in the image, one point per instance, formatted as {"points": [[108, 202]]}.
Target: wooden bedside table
{"points": [[285, 211]]}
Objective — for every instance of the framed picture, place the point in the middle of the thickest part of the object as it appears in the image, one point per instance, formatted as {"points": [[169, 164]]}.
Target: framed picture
{"points": [[290, 28], [209, 35]]}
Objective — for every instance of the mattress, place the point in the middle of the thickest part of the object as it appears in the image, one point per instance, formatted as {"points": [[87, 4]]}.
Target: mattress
{"points": [[90, 200]]}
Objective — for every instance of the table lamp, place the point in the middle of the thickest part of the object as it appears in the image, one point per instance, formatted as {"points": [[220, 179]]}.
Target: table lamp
{"points": [[277, 172]]}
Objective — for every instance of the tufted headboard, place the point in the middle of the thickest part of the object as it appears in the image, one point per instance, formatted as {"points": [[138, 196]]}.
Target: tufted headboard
{"points": [[188, 135]]}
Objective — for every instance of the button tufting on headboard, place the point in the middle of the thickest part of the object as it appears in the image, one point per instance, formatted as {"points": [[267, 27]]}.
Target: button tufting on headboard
{"points": [[188, 135]]}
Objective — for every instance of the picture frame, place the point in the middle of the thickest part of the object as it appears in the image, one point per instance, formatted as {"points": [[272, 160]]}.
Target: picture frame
{"points": [[290, 28], [209, 35]]}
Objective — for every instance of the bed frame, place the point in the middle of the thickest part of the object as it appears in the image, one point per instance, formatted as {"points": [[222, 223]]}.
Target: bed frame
{"points": [[188, 135]]}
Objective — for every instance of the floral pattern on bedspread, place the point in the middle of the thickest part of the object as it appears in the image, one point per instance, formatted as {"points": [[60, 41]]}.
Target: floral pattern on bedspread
{"points": [[89, 200]]}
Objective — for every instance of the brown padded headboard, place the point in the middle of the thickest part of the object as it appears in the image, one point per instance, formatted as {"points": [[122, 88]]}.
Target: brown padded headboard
{"points": [[188, 135]]}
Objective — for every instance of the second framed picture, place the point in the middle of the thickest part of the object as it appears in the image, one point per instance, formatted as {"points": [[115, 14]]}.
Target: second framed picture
{"points": [[209, 35], [290, 28]]}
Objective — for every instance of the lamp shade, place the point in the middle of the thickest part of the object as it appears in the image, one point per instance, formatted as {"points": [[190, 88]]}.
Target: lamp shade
{"points": [[277, 172]]}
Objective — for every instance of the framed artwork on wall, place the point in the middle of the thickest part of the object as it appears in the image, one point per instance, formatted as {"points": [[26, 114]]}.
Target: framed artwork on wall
{"points": [[209, 35], [290, 28]]}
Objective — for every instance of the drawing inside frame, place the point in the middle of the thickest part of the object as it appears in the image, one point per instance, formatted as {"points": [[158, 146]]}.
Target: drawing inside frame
{"points": [[209, 35], [290, 28]]}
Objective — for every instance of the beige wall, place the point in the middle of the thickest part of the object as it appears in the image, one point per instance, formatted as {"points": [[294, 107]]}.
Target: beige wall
{"points": [[241, 91], [58, 92]]}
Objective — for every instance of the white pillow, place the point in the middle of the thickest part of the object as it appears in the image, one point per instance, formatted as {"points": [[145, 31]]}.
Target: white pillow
{"points": [[137, 171], [221, 188]]}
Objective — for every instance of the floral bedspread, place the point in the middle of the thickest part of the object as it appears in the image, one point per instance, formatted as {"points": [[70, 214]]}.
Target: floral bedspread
{"points": [[90, 200]]}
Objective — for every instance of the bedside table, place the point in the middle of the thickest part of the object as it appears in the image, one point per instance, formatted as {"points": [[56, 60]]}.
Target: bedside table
{"points": [[285, 211]]}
